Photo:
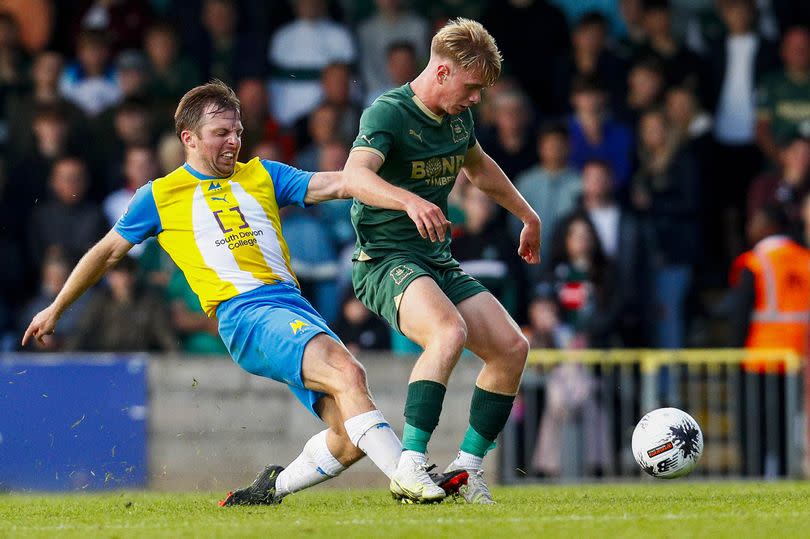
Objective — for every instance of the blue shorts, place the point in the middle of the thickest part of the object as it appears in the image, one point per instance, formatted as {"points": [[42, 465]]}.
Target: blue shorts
{"points": [[266, 331]]}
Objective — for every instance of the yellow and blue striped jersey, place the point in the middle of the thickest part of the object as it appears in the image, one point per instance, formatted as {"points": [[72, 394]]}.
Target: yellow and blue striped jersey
{"points": [[223, 233]]}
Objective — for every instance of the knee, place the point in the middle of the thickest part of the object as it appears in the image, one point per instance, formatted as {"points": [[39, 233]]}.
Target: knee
{"points": [[520, 348], [516, 351], [451, 334], [352, 377]]}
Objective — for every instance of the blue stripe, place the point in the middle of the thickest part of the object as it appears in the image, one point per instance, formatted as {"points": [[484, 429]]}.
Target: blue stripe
{"points": [[200, 175], [320, 471]]}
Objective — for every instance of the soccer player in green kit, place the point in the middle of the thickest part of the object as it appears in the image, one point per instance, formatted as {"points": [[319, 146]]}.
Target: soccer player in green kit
{"points": [[419, 137]]}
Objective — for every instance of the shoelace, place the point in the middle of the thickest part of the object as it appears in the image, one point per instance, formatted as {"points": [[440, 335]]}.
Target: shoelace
{"points": [[481, 485], [422, 472]]}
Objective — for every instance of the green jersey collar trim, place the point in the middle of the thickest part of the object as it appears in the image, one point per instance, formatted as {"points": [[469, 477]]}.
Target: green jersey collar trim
{"points": [[425, 110]]}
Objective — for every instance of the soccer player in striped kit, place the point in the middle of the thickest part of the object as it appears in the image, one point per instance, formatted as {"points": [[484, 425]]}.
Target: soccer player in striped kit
{"points": [[219, 221]]}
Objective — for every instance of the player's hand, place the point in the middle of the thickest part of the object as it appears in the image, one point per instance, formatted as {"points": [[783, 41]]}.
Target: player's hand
{"points": [[529, 248], [43, 324], [429, 219]]}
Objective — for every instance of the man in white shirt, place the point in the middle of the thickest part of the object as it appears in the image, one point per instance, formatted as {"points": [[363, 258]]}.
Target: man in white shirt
{"points": [[298, 52]]}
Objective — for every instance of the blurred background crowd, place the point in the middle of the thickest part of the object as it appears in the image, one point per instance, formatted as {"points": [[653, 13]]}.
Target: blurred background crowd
{"points": [[647, 134]]}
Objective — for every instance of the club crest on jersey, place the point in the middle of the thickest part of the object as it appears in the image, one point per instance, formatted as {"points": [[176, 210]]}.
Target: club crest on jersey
{"points": [[296, 326], [214, 186], [458, 130], [400, 273]]}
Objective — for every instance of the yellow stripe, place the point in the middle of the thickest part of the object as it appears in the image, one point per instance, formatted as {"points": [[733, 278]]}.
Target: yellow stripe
{"points": [[265, 194], [173, 197], [652, 360]]}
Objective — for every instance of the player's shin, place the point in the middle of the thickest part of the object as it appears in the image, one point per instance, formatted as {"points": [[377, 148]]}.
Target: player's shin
{"points": [[372, 434], [314, 465], [488, 415], [423, 407]]}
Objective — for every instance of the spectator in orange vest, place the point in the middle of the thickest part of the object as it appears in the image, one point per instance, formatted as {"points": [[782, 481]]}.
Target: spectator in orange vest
{"points": [[771, 289], [771, 311]]}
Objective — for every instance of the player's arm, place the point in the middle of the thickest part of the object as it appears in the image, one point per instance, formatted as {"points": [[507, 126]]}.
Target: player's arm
{"points": [[93, 265], [485, 174], [360, 180]]}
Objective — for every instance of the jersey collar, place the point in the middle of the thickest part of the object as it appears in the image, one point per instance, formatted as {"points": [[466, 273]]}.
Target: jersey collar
{"points": [[199, 175], [422, 107]]}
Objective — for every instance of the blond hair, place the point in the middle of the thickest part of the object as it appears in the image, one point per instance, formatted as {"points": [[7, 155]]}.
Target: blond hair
{"points": [[470, 46]]}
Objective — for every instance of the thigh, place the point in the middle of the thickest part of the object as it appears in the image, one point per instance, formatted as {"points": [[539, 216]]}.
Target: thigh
{"points": [[490, 329], [269, 339], [381, 284], [424, 309]]}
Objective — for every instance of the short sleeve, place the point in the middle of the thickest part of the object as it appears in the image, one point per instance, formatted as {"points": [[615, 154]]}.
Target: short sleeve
{"points": [[290, 183], [141, 219], [379, 125]]}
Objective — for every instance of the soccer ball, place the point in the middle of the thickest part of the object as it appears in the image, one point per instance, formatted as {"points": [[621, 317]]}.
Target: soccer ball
{"points": [[667, 443]]}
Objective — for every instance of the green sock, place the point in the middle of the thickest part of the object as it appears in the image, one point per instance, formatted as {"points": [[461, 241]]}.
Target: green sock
{"points": [[488, 414], [422, 410], [415, 439], [475, 444]]}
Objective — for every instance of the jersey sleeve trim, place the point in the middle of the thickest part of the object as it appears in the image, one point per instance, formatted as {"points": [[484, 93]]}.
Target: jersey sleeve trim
{"points": [[375, 151]]}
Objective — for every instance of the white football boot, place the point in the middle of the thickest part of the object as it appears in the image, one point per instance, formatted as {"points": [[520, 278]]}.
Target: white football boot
{"points": [[412, 484]]}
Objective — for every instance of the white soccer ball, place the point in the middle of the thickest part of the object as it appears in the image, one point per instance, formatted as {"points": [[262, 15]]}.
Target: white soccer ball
{"points": [[667, 443]]}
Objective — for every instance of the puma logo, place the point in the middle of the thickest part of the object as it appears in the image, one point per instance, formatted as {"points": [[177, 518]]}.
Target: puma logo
{"points": [[415, 134], [223, 198], [368, 140]]}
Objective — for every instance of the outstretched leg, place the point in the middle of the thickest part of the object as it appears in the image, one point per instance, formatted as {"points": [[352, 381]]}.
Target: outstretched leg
{"points": [[353, 418], [356, 428], [324, 456]]}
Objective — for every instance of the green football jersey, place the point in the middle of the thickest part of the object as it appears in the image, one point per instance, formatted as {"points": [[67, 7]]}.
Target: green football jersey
{"points": [[421, 152]]}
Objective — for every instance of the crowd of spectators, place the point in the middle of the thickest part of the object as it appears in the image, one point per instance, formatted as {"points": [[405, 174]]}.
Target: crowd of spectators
{"points": [[644, 133]]}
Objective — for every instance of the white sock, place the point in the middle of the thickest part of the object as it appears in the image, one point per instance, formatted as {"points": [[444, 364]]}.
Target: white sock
{"points": [[468, 461], [371, 433], [415, 456], [314, 465]]}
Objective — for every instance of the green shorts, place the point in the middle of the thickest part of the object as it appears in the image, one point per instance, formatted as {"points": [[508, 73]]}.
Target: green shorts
{"points": [[379, 283]]}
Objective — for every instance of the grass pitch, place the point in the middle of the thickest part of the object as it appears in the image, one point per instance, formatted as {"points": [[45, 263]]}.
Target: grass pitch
{"points": [[645, 510]]}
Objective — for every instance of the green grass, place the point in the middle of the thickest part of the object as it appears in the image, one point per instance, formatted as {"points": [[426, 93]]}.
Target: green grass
{"points": [[645, 510]]}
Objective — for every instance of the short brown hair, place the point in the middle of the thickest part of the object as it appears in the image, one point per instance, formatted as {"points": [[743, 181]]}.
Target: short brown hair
{"points": [[469, 45], [193, 105]]}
